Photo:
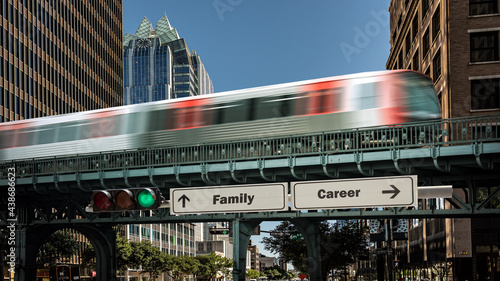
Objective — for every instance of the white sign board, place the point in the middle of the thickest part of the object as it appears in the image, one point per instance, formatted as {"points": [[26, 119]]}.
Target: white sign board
{"points": [[355, 193], [267, 197]]}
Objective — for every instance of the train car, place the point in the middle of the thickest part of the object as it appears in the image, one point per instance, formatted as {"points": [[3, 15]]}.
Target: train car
{"points": [[349, 101]]}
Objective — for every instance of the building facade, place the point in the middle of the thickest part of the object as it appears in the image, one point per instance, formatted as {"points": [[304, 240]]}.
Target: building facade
{"points": [[456, 44], [59, 57], [158, 65]]}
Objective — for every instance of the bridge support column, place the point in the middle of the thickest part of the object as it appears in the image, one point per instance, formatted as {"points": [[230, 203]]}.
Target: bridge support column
{"points": [[310, 231], [242, 230], [29, 239]]}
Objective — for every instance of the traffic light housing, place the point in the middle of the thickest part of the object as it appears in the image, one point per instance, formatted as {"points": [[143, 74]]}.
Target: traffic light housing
{"points": [[126, 199], [218, 231]]}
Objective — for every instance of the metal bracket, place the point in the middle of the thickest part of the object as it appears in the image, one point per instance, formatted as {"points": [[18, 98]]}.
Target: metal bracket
{"points": [[477, 149], [260, 163], [36, 188], [232, 169], [101, 179], [395, 154], [177, 170], [434, 150], [291, 164], [324, 162], [125, 178], [204, 175], [358, 157], [150, 174], [56, 184], [78, 177]]}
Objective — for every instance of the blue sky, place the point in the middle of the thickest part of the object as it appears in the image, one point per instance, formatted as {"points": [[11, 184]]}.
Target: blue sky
{"points": [[250, 43]]}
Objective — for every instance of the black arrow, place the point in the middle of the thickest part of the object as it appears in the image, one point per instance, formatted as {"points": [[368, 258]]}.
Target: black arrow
{"points": [[394, 190], [183, 198]]}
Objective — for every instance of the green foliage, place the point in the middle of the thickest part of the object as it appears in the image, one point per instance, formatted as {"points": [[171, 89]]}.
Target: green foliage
{"points": [[212, 264], [87, 257], [123, 253], [276, 273], [58, 246], [184, 265], [154, 261], [340, 245], [143, 255], [254, 274]]}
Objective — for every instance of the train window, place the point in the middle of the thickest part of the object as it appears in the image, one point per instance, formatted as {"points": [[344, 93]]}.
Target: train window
{"points": [[365, 94], [16, 138], [231, 112], [69, 132], [105, 126], [272, 107], [45, 135], [157, 120]]}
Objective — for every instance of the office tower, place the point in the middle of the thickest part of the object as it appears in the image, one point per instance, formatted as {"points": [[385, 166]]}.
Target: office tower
{"points": [[59, 57], [158, 65], [456, 44]]}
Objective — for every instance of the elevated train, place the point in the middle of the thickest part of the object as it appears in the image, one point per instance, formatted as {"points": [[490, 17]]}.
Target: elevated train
{"points": [[342, 102]]}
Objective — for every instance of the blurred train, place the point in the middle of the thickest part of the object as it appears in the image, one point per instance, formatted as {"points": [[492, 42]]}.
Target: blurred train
{"points": [[349, 101]]}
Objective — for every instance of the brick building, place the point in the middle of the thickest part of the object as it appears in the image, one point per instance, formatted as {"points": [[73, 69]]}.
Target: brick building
{"points": [[456, 44]]}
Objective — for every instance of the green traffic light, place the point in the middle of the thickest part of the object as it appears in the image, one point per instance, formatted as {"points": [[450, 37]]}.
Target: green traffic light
{"points": [[146, 198]]}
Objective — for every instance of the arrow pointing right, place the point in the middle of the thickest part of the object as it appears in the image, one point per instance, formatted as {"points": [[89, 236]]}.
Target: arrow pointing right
{"points": [[394, 190], [183, 198]]}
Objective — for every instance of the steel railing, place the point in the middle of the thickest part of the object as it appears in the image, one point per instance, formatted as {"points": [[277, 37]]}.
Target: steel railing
{"points": [[456, 131]]}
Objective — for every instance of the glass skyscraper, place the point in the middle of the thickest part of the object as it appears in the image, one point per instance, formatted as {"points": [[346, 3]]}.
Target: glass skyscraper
{"points": [[158, 65]]}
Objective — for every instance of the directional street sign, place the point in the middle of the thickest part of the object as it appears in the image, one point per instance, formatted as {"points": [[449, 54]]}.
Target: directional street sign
{"points": [[355, 193], [229, 199]]}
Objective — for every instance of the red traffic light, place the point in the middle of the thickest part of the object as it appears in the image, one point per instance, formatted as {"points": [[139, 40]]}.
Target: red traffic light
{"points": [[129, 199], [102, 201]]}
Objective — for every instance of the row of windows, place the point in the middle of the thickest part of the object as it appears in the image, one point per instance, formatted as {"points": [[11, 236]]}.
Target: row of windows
{"points": [[426, 40], [24, 25], [72, 78], [31, 58]]}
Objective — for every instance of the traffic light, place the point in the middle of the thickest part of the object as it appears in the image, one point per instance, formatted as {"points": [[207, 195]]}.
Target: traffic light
{"points": [[218, 231], [130, 199]]}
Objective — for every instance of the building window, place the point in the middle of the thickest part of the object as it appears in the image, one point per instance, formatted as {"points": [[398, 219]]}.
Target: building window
{"points": [[436, 66], [485, 94], [400, 59], [414, 26], [415, 61], [484, 46], [426, 43], [436, 24], [425, 6], [408, 42], [482, 7]]}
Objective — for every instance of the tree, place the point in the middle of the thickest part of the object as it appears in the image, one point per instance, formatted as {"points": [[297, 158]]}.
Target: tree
{"points": [[340, 245], [212, 264], [123, 253], [153, 260], [58, 246], [253, 274], [87, 257], [184, 265]]}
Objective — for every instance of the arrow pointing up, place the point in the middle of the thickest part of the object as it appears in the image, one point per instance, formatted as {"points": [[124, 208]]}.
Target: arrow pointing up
{"points": [[394, 190], [183, 198]]}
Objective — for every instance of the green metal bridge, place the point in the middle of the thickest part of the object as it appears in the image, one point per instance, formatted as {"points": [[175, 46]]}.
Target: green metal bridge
{"points": [[52, 193]]}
